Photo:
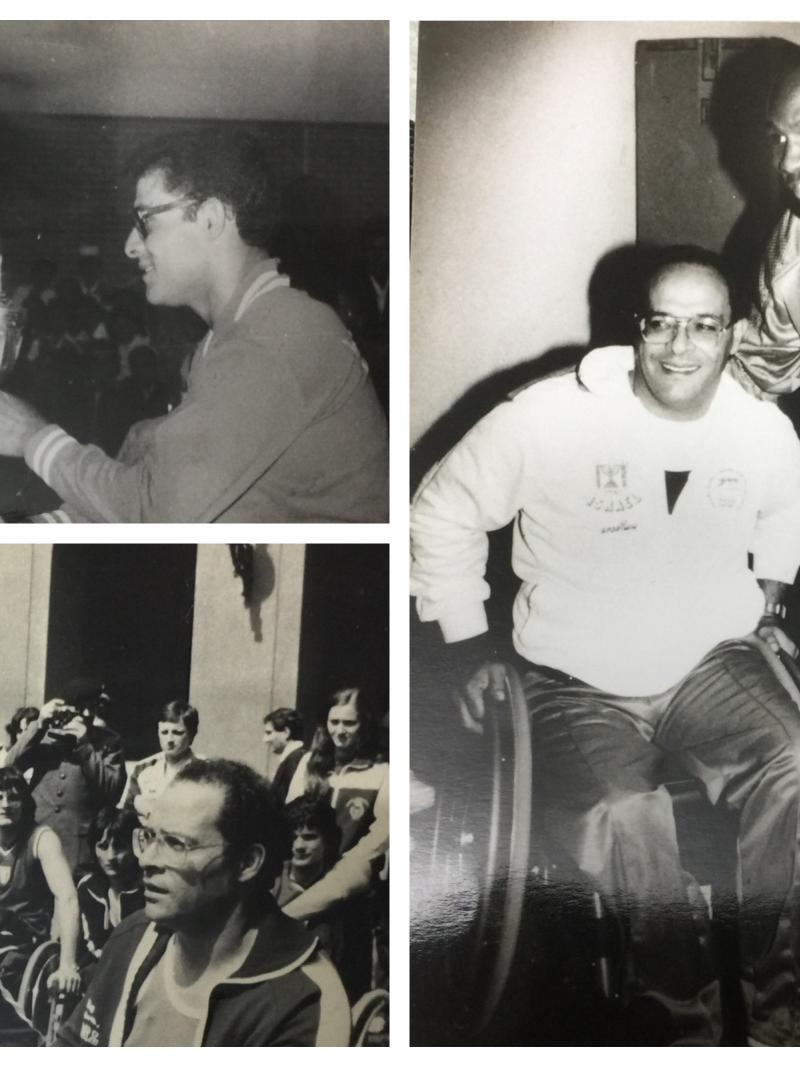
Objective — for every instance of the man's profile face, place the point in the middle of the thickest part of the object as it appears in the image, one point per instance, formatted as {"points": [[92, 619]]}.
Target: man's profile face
{"points": [[171, 255], [783, 117], [677, 379], [182, 890], [276, 739]]}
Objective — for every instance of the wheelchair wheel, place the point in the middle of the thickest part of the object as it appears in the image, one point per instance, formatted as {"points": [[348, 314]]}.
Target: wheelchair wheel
{"points": [[33, 1001], [370, 1019], [470, 866]]}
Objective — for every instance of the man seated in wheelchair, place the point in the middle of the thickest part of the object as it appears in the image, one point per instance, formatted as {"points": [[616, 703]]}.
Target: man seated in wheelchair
{"points": [[657, 533], [35, 884]]}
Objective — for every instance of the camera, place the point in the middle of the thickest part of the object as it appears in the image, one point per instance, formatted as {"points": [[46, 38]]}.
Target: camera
{"points": [[60, 718]]}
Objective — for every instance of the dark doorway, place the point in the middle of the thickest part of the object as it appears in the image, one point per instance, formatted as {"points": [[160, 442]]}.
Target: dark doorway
{"points": [[345, 626], [123, 613]]}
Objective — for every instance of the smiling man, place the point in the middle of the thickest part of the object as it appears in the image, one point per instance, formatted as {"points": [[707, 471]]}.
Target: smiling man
{"points": [[638, 488], [211, 961], [279, 422]]}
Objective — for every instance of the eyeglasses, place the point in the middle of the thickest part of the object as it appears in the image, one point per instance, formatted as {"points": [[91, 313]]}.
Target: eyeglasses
{"points": [[142, 215], [173, 850], [702, 330]]}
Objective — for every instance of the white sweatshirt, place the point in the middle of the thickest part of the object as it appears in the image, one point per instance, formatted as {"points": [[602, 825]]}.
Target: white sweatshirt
{"points": [[615, 589]]}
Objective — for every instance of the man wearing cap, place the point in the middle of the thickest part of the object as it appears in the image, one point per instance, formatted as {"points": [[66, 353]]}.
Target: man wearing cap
{"points": [[75, 761]]}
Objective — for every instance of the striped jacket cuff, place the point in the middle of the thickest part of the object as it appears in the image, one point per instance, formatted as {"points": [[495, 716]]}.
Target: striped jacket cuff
{"points": [[43, 448]]}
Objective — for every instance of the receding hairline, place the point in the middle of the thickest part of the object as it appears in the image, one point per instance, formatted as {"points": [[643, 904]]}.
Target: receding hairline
{"points": [[709, 269]]}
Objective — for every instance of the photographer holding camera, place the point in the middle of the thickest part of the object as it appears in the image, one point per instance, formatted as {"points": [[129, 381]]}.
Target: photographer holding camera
{"points": [[75, 761]]}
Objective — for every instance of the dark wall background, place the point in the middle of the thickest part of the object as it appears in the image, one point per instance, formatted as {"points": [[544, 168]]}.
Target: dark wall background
{"points": [[124, 613], [345, 627], [64, 184]]}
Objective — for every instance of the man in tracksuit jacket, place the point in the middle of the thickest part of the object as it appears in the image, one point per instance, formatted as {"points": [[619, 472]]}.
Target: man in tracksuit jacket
{"points": [[211, 960]]}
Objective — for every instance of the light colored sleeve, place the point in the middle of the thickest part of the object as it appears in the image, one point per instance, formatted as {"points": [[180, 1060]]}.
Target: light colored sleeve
{"points": [[192, 465], [353, 873], [776, 542], [479, 486]]}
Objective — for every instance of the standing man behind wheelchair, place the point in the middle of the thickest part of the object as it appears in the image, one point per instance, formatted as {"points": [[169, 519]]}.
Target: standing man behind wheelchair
{"points": [[638, 487]]}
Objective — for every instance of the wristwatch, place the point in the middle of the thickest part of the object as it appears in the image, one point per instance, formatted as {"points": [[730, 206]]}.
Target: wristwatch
{"points": [[774, 608]]}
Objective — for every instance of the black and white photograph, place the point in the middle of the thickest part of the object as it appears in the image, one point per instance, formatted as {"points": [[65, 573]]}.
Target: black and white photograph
{"points": [[605, 534], [194, 271], [194, 795]]}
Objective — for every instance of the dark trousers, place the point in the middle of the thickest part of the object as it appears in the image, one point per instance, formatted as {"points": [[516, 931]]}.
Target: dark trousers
{"points": [[598, 760]]}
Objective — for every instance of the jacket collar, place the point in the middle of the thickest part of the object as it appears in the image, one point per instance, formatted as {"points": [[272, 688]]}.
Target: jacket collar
{"points": [[258, 279]]}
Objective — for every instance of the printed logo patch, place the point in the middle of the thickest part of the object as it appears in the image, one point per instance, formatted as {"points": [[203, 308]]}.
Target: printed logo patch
{"points": [[727, 489], [611, 483], [357, 808]]}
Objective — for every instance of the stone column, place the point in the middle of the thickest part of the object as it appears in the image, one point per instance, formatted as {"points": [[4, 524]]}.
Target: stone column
{"points": [[244, 661], [25, 588]]}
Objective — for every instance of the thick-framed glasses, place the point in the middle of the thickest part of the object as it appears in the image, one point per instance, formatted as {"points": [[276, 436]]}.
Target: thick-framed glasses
{"points": [[174, 851], [702, 330], [142, 215]]}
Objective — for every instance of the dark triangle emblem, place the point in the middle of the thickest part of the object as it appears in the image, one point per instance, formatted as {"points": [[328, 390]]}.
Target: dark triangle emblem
{"points": [[675, 481]]}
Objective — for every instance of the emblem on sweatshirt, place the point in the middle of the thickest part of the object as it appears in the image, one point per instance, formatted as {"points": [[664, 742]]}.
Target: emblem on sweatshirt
{"points": [[727, 489], [611, 489]]}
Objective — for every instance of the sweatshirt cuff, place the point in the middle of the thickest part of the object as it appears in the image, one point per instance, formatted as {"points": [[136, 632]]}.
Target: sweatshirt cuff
{"points": [[44, 447], [469, 622]]}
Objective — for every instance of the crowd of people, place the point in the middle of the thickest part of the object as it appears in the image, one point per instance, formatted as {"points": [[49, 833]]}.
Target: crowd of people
{"points": [[165, 879]]}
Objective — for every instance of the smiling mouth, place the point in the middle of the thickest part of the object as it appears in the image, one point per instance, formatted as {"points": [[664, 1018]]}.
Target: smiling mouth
{"points": [[676, 368]]}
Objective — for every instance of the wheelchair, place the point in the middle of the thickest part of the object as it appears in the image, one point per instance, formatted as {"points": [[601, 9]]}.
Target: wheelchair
{"points": [[370, 1020], [507, 932]]}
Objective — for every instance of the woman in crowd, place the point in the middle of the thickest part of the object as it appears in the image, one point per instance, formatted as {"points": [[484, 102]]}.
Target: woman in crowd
{"points": [[345, 767], [113, 889], [35, 879]]}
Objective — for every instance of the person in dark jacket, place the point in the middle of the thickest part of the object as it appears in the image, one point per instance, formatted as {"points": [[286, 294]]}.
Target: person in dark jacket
{"points": [[76, 764], [211, 960], [283, 732], [112, 890]]}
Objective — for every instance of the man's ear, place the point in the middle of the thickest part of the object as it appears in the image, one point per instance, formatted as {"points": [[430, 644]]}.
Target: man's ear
{"points": [[213, 216], [739, 328], [251, 863]]}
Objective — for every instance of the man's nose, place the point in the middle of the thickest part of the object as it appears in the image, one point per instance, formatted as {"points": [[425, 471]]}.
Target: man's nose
{"points": [[134, 244], [680, 338]]}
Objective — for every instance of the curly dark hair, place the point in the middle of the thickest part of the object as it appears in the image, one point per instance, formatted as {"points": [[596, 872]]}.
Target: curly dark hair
{"points": [[221, 162], [118, 823], [20, 718], [251, 814], [14, 784], [313, 813]]}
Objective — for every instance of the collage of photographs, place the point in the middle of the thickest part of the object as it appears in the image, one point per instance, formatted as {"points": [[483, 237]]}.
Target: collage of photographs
{"points": [[582, 424]]}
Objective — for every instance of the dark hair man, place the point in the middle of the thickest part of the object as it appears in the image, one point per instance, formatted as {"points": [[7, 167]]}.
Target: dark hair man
{"points": [[283, 732], [149, 777], [75, 761], [211, 960], [279, 422], [638, 488]]}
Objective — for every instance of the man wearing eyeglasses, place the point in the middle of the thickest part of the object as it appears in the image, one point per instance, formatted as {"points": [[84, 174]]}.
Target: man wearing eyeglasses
{"points": [[279, 422], [638, 487], [211, 961]]}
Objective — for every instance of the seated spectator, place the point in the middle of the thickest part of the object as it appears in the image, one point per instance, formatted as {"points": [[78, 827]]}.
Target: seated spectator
{"points": [[34, 880], [283, 730], [75, 761], [211, 960], [149, 777], [112, 890]]}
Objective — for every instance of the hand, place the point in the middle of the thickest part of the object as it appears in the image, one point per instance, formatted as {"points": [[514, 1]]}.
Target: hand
{"points": [[776, 638], [18, 423], [66, 979], [76, 728], [47, 710], [489, 677]]}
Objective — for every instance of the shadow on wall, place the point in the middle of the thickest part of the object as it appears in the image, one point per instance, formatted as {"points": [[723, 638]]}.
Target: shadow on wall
{"points": [[737, 120], [254, 566], [614, 299]]}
